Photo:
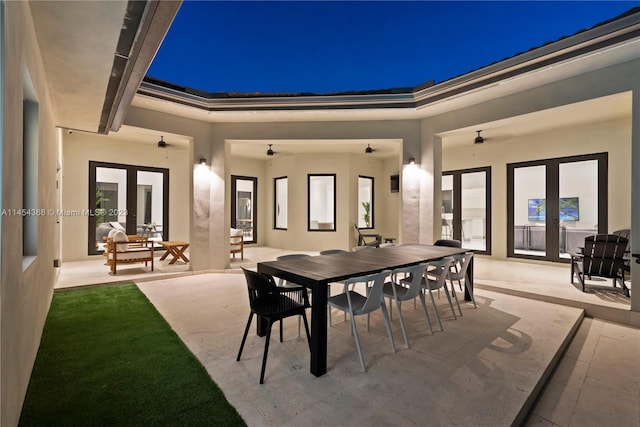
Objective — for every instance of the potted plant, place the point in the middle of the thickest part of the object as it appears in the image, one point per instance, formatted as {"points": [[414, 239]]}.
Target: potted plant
{"points": [[367, 213], [100, 211]]}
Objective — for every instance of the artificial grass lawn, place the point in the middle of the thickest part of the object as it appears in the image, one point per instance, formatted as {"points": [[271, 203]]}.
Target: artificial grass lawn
{"points": [[107, 357]]}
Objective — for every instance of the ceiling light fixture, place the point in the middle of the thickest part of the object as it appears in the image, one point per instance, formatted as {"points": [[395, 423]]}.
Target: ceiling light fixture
{"points": [[479, 139], [270, 152]]}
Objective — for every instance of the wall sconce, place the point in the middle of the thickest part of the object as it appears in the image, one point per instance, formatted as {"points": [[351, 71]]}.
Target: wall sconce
{"points": [[412, 160], [203, 161]]}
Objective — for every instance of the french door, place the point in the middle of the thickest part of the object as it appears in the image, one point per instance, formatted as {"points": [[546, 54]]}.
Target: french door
{"points": [[553, 204], [134, 198], [466, 208], [244, 206]]}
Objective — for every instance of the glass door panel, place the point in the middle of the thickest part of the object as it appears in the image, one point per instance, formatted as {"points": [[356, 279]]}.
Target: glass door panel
{"points": [[150, 204], [578, 204], [473, 209], [529, 210], [466, 208], [244, 206], [447, 207], [111, 203]]}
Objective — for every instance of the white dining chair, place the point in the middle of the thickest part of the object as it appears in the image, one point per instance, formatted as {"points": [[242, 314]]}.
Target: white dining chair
{"points": [[458, 272], [410, 289], [357, 304], [434, 279]]}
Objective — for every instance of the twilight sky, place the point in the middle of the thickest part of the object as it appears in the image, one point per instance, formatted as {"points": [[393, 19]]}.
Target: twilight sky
{"points": [[337, 46]]}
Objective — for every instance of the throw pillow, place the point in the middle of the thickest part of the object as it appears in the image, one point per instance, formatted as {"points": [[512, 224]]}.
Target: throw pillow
{"points": [[120, 236]]}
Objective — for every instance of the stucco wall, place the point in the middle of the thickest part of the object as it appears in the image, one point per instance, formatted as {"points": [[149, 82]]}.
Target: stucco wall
{"points": [[25, 295], [296, 168], [211, 210], [79, 148]]}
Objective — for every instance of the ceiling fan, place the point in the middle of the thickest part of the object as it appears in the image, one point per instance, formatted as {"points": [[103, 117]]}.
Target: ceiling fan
{"points": [[479, 139], [368, 150], [270, 151], [162, 143]]}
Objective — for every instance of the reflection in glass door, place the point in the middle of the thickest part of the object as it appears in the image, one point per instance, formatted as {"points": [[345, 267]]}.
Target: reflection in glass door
{"points": [[150, 204], [466, 213], [244, 206], [577, 209], [473, 209], [111, 203], [554, 204], [529, 209]]}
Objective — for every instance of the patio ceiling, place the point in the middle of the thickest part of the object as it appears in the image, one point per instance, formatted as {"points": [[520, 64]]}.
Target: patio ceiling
{"points": [[95, 54], [256, 149], [579, 114]]}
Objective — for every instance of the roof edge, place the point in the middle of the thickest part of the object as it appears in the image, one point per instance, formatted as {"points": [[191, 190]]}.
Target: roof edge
{"points": [[607, 33]]}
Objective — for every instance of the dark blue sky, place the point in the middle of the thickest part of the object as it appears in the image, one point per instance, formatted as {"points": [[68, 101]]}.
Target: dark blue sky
{"points": [[335, 46]]}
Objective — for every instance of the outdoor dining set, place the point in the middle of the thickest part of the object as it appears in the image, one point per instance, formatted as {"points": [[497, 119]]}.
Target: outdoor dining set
{"points": [[396, 273]]}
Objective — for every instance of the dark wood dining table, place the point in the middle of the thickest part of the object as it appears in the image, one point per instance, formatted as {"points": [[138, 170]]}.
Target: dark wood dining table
{"points": [[317, 272]]}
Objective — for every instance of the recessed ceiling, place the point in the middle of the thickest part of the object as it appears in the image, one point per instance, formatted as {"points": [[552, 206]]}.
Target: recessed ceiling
{"points": [[257, 149], [150, 137]]}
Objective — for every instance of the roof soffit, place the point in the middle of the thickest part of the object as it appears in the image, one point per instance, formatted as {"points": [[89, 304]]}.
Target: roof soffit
{"points": [[91, 51]]}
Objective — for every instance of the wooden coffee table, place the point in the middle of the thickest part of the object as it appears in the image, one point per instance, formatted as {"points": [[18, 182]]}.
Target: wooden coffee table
{"points": [[176, 249]]}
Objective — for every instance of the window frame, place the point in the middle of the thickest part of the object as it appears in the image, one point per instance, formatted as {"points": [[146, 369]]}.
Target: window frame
{"points": [[276, 206], [457, 203], [309, 198], [131, 204], [372, 203]]}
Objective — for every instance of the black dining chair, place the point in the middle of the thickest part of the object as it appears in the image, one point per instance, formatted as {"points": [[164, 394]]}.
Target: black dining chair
{"points": [[286, 284], [272, 303], [452, 243]]}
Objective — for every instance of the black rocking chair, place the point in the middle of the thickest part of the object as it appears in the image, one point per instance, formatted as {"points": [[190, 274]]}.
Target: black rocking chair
{"points": [[365, 239], [603, 256]]}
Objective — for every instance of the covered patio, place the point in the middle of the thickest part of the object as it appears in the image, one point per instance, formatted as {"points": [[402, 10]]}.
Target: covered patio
{"points": [[526, 354]]}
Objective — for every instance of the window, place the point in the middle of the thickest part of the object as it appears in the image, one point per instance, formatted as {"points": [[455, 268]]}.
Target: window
{"points": [[321, 202], [30, 140], [280, 203], [365, 202]]}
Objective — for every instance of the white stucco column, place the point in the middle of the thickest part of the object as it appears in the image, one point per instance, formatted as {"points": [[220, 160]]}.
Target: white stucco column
{"points": [[411, 213], [635, 204], [430, 171], [198, 251], [411, 189]]}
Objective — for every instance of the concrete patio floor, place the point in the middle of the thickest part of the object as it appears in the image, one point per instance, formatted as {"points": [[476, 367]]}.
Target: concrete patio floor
{"points": [[492, 366]]}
